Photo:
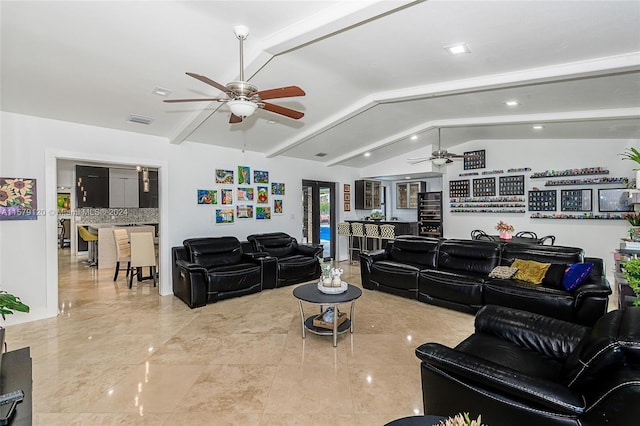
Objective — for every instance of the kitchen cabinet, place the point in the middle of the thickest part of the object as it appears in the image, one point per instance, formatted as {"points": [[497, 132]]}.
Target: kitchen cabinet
{"points": [[92, 187], [149, 199], [123, 188], [407, 194], [368, 194], [430, 214]]}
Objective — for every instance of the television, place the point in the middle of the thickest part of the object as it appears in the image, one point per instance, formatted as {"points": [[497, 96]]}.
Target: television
{"points": [[614, 200]]}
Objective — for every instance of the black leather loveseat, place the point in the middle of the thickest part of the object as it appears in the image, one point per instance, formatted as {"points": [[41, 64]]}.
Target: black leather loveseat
{"points": [[455, 274], [526, 369], [296, 263], [206, 270]]}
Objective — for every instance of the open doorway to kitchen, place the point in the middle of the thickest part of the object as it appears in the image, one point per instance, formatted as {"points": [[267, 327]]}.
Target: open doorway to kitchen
{"points": [[319, 214]]}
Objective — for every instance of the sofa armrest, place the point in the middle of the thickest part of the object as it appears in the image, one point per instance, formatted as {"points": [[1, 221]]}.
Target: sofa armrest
{"points": [[312, 250], [509, 382], [255, 256], [268, 267], [367, 259], [191, 284], [549, 336]]}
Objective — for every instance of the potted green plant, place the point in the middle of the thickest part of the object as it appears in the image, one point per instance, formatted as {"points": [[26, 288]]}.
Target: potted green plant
{"points": [[633, 155], [631, 272], [10, 303]]}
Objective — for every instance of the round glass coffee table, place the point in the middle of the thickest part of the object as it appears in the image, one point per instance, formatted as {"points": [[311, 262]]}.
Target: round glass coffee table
{"points": [[309, 293]]}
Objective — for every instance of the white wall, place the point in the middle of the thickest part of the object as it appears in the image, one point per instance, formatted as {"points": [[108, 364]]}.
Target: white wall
{"points": [[599, 238], [30, 147]]}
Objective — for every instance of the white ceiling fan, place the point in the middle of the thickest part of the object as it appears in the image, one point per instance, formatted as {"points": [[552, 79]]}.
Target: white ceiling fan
{"points": [[440, 156], [242, 97]]}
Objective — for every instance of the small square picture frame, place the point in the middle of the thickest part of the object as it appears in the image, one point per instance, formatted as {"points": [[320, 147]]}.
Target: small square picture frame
{"points": [[347, 187]]}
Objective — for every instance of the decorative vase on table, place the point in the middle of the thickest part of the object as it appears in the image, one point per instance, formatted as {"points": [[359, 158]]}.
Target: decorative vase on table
{"points": [[505, 235]]}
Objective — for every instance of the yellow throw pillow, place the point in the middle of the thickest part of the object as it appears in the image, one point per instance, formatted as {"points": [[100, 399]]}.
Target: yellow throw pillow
{"points": [[530, 271]]}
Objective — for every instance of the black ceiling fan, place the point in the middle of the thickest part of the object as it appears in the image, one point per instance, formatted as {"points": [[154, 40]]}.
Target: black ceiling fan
{"points": [[242, 97]]}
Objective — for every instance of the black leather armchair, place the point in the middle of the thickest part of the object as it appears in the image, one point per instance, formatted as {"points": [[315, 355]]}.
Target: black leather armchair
{"points": [[206, 270], [528, 369], [296, 263]]}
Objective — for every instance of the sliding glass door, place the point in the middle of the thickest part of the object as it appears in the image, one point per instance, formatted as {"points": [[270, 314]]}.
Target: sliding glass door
{"points": [[318, 214]]}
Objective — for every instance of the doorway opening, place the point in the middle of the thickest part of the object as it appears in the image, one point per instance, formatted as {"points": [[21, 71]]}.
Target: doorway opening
{"points": [[319, 214]]}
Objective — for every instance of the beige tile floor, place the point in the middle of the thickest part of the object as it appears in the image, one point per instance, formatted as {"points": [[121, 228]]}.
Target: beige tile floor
{"points": [[120, 356]]}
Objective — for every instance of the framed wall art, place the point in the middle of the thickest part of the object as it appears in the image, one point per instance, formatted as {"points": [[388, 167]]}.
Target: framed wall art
{"points": [[614, 200], [244, 175], [278, 207], [245, 194], [263, 213], [227, 196], [244, 212], [260, 176], [18, 199], [224, 176], [207, 196], [263, 195], [277, 188], [224, 215]]}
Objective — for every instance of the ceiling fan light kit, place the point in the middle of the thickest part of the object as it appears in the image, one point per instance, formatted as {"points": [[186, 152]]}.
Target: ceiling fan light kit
{"points": [[439, 161], [242, 97]]}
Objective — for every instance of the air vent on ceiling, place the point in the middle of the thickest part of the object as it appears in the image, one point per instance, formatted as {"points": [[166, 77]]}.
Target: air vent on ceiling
{"points": [[140, 119], [321, 154]]}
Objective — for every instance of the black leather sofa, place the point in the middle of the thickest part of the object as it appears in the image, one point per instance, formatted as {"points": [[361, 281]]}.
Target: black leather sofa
{"points": [[296, 263], [206, 270], [455, 274], [528, 369]]}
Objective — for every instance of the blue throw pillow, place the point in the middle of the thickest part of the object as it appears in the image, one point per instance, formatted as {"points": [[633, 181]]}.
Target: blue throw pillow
{"points": [[576, 274]]}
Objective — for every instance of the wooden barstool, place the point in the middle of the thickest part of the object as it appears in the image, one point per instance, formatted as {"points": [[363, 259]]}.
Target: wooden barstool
{"points": [[372, 231], [357, 230], [387, 232], [344, 230]]}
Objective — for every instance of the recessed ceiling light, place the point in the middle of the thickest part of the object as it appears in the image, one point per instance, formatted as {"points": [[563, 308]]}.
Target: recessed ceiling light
{"points": [[367, 154], [538, 127], [321, 154], [414, 137], [457, 49], [271, 121], [511, 103], [407, 177], [161, 91]]}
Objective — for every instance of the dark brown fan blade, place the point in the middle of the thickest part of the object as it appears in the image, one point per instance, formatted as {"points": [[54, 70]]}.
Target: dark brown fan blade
{"points": [[282, 110], [235, 119], [449, 160], [210, 82], [193, 100], [281, 92]]}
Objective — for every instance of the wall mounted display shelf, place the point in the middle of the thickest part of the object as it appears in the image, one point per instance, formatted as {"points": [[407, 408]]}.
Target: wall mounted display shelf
{"points": [[576, 200], [487, 205], [492, 172], [474, 159], [571, 172], [519, 169], [511, 185], [469, 174], [542, 200], [484, 187], [588, 181], [459, 188], [575, 216]]}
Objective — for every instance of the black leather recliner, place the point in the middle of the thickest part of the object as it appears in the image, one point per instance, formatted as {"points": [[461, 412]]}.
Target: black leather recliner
{"points": [[528, 369], [296, 263], [206, 270]]}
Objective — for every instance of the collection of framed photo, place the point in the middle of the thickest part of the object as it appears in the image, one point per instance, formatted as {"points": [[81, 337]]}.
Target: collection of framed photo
{"points": [[238, 202], [347, 197]]}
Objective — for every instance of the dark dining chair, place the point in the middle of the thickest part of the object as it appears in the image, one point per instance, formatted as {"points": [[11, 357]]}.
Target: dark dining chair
{"points": [[546, 238], [526, 234], [479, 234]]}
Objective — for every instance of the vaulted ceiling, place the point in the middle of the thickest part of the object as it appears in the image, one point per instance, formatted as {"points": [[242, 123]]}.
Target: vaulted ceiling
{"points": [[374, 72]]}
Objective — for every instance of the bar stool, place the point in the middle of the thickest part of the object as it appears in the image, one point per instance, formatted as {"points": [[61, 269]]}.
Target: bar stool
{"points": [[373, 232], [92, 240], [357, 230], [344, 230], [388, 233]]}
